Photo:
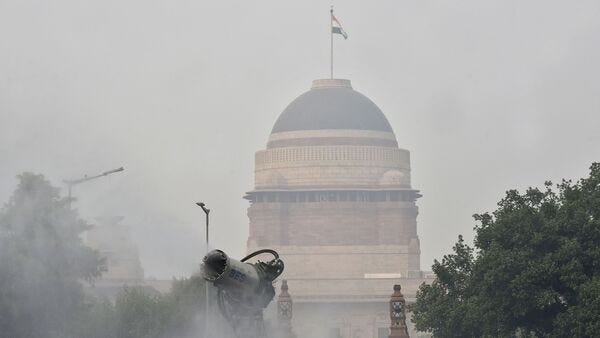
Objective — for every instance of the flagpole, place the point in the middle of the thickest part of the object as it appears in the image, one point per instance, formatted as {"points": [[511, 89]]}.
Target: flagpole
{"points": [[331, 36]]}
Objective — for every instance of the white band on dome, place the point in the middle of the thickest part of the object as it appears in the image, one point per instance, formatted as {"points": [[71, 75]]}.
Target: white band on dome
{"points": [[287, 135]]}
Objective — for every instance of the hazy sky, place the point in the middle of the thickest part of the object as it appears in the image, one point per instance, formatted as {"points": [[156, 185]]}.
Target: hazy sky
{"points": [[487, 96]]}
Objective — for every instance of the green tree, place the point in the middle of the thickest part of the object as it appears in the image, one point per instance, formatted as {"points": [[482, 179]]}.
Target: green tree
{"points": [[97, 319], [142, 314], [536, 271], [42, 262], [442, 307]]}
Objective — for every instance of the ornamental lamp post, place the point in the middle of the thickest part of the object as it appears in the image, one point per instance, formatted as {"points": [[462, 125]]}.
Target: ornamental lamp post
{"points": [[398, 327], [284, 312]]}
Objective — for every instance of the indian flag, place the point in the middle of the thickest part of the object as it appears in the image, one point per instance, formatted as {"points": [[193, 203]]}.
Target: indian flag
{"points": [[336, 27]]}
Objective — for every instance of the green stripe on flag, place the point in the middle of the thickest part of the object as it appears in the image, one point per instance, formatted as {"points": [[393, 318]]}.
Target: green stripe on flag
{"points": [[338, 30]]}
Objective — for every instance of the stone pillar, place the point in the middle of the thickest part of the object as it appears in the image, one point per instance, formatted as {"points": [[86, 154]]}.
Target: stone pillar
{"points": [[284, 312], [398, 327]]}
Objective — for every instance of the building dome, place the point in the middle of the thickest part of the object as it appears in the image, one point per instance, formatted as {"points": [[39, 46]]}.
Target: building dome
{"points": [[331, 104], [332, 137]]}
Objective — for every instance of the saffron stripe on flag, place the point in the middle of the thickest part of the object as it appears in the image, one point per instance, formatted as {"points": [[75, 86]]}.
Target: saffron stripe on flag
{"points": [[336, 27]]}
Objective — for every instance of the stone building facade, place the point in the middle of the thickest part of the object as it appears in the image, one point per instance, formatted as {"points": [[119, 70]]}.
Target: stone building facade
{"points": [[113, 242], [333, 196]]}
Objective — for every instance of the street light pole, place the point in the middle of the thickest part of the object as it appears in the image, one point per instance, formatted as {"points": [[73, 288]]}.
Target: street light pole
{"points": [[71, 183], [206, 211], [206, 303]]}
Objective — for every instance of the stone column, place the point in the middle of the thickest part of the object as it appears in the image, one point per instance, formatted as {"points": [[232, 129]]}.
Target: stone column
{"points": [[284, 313], [398, 327]]}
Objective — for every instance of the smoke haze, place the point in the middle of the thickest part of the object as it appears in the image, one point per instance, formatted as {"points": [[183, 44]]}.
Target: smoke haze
{"points": [[487, 96]]}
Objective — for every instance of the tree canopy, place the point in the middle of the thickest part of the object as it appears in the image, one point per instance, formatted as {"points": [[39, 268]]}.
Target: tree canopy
{"points": [[42, 261], [177, 313], [534, 269]]}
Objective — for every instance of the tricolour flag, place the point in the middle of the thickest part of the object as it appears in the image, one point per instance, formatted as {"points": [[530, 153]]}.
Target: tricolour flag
{"points": [[336, 27]]}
